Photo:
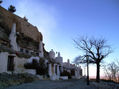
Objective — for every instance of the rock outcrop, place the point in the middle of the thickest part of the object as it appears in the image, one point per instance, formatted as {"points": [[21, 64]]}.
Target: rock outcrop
{"points": [[22, 26]]}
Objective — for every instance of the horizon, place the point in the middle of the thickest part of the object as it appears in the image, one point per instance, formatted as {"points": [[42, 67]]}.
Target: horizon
{"points": [[61, 21]]}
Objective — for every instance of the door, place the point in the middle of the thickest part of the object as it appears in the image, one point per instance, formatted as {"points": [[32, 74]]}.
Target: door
{"points": [[10, 65]]}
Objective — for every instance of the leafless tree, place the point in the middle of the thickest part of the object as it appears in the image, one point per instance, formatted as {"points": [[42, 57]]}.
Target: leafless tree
{"points": [[106, 72], [112, 71], [97, 50], [118, 71]]}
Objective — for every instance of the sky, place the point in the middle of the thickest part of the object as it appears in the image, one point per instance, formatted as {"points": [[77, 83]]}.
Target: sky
{"points": [[61, 21]]}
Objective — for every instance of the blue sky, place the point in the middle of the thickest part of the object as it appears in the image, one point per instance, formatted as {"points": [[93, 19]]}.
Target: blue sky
{"points": [[60, 21]]}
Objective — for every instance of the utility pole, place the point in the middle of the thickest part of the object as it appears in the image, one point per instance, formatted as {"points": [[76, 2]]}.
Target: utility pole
{"points": [[87, 59]]}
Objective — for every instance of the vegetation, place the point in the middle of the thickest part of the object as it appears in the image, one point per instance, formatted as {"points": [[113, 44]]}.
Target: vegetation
{"points": [[4, 34], [95, 49], [65, 73], [7, 80], [1, 1], [6, 49], [11, 51], [22, 55], [43, 68], [11, 8], [40, 67], [72, 72]]}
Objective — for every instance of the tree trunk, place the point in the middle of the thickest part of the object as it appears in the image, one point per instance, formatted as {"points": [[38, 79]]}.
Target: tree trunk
{"points": [[98, 73]]}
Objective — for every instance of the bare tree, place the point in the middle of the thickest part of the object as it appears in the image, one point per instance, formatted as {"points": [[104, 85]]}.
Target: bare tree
{"points": [[106, 72], [97, 50], [112, 71], [118, 71]]}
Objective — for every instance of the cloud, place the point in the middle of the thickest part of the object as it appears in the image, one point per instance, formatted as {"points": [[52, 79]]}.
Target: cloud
{"points": [[38, 13], [42, 15]]}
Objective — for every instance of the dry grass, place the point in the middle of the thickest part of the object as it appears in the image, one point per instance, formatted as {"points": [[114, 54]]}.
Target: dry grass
{"points": [[7, 80]]}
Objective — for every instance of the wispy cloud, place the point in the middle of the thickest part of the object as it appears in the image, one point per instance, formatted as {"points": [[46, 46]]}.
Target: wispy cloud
{"points": [[40, 14]]}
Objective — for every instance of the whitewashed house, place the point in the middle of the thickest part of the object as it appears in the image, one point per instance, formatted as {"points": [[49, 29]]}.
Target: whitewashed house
{"points": [[21, 43]]}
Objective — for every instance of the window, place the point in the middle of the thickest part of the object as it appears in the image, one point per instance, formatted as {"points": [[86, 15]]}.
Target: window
{"points": [[10, 65]]}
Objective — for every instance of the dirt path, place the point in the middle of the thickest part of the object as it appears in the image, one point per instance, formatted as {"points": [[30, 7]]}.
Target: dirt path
{"points": [[47, 84], [69, 84]]}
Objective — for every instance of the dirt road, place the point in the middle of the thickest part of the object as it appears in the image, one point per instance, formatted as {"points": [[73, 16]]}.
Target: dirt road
{"points": [[60, 84]]}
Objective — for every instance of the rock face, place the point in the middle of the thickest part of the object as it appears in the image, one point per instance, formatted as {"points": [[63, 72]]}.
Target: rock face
{"points": [[7, 19], [4, 38], [19, 40]]}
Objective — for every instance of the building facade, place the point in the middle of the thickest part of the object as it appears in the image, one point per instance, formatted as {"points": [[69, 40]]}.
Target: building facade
{"points": [[21, 43]]}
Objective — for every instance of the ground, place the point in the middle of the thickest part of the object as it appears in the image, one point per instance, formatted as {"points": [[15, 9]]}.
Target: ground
{"points": [[67, 84]]}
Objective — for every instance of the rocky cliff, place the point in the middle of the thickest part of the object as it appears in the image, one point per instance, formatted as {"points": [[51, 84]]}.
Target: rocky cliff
{"points": [[7, 19]]}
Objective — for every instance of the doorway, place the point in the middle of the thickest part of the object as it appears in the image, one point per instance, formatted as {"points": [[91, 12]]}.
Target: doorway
{"points": [[10, 65]]}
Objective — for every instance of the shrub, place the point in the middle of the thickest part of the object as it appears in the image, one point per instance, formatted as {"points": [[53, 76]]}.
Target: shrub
{"points": [[40, 67], [65, 73], [7, 80]]}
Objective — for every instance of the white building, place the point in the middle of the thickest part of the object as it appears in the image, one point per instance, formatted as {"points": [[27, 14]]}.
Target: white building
{"points": [[75, 71], [21, 43]]}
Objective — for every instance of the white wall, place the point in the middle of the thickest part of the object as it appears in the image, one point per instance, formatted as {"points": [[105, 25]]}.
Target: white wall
{"points": [[19, 65], [3, 61]]}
